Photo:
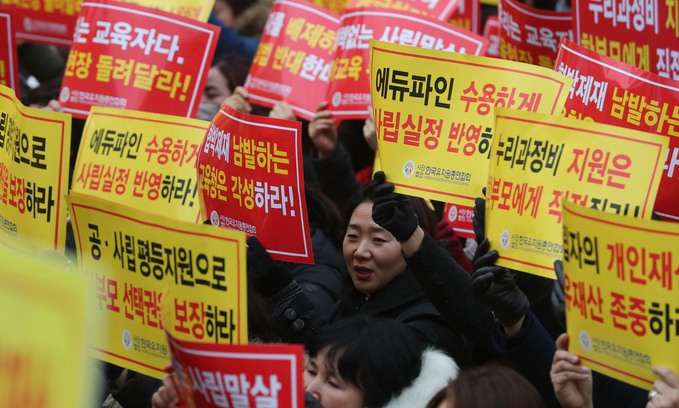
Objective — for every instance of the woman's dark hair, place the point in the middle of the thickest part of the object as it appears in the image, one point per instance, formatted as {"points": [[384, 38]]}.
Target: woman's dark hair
{"points": [[381, 357], [324, 214], [493, 385], [234, 68]]}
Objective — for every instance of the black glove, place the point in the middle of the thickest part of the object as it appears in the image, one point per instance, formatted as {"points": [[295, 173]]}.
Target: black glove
{"points": [[479, 220], [558, 295], [393, 211], [495, 287], [266, 275]]}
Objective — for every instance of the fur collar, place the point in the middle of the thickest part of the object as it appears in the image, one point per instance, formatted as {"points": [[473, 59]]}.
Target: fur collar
{"points": [[437, 370]]}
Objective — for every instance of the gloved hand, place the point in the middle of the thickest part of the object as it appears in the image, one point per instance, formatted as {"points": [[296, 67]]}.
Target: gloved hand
{"points": [[268, 276], [393, 211], [479, 219], [558, 295], [495, 287]]}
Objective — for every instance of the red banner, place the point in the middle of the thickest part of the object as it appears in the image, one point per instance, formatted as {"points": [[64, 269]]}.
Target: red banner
{"points": [[44, 21], [9, 70], [349, 92], [460, 217], [295, 53], [255, 375], [642, 34], [130, 57], [251, 179], [608, 91], [530, 35], [439, 9], [491, 31], [467, 16]]}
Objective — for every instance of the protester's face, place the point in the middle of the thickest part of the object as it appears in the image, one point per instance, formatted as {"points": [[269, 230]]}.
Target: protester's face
{"points": [[372, 254], [323, 382], [216, 88]]}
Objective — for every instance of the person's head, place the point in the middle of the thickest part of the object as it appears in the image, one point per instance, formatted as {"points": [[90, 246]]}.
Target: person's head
{"points": [[490, 385], [372, 254], [223, 77], [361, 362]]}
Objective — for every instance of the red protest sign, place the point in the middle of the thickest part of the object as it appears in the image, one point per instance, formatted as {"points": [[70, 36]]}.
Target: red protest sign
{"points": [[9, 70], [251, 179], [608, 91], [440, 10], [530, 35], [44, 21], [295, 53], [254, 375], [460, 218], [641, 34], [349, 92], [467, 16], [491, 31], [130, 57]]}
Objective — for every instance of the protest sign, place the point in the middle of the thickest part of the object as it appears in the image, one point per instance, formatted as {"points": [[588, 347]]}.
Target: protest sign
{"points": [[44, 21], [434, 115], [130, 57], [643, 35], [492, 32], [295, 52], [440, 10], [467, 15], [47, 328], [539, 161], [34, 156], [195, 9], [9, 69], [255, 375], [251, 179], [608, 91], [620, 286], [141, 159], [530, 35], [132, 256], [349, 92], [460, 218]]}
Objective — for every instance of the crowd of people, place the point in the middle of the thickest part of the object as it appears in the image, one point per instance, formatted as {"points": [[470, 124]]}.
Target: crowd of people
{"points": [[397, 311]]}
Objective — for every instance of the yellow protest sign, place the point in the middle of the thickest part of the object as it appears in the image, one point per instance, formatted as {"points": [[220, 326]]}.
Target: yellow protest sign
{"points": [[434, 115], [34, 157], [44, 315], [197, 10], [621, 282], [132, 256], [538, 161], [142, 160]]}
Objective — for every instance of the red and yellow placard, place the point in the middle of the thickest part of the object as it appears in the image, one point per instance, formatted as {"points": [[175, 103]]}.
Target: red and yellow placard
{"points": [[467, 15], [142, 160], [9, 69], [440, 10], [34, 157], [132, 256], [251, 179], [539, 161], [642, 34], [621, 280], [44, 21], [255, 375], [609, 91], [47, 330], [434, 115], [295, 53], [195, 9], [460, 218], [130, 57], [349, 92], [530, 35], [492, 32]]}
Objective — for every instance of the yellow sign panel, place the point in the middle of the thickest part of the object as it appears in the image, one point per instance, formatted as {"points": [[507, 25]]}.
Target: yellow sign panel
{"points": [[43, 312], [621, 284], [538, 161], [133, 256], [34, 157], [434, 115], [141, 160]]}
